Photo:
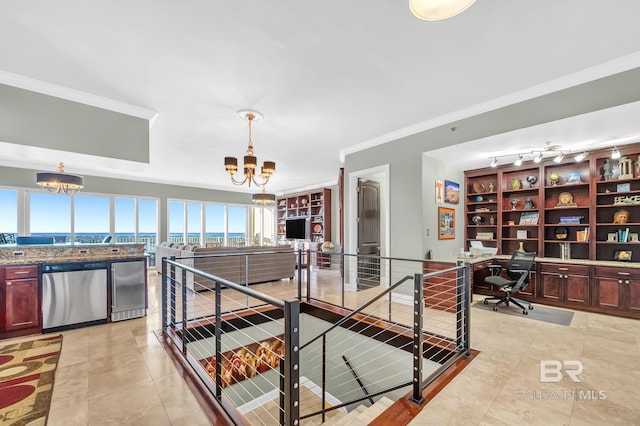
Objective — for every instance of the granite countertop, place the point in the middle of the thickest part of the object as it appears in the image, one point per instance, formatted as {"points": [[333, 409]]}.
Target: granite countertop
{"points": [[22, 255], [477, 259]]}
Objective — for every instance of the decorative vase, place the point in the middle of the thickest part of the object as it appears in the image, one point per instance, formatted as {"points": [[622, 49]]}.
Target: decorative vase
{"points": [[521, 248], [516, 183]]}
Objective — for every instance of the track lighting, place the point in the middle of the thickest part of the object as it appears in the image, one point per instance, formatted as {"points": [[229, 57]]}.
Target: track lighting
{"points": [[581, 156], [494, 162], [559, 158], [518, 161], [615, 154], [537, 158]]}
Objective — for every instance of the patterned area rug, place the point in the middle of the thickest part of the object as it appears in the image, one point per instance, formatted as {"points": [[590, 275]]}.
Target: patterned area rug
{"points": [[27, 370]]}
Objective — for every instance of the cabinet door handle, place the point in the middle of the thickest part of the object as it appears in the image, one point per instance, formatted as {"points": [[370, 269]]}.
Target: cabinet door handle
{"points": [[21, 272], [9, 283], [624, 273], [626, 281], [563, 269]]}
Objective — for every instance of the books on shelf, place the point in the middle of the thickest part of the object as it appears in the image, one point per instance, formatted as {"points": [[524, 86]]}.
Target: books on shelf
{"points": [[582, 236], [529, 218], [570, 220]]}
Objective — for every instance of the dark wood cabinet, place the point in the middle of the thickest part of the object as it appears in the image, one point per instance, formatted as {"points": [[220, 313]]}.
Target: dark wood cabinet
{"points": [[564, 283], [20, 306], [617, 289]]}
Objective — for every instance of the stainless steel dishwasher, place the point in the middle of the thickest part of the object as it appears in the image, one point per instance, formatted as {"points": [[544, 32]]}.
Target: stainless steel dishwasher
{"points": [[74, 294]]}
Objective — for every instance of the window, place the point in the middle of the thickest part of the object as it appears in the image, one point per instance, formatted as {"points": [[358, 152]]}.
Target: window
{"points": [[9, 213], [262, 226], [176, 221], [236, 227], [91, 218], [50, 215], [148, 222], [124, 220], [214, 224], [194, 223]]}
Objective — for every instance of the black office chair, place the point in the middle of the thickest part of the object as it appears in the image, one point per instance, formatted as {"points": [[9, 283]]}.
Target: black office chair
{"points": [[519, 272]]}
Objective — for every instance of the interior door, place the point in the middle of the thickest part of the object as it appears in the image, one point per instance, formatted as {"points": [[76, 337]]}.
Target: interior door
{"points": [[368, 234]]}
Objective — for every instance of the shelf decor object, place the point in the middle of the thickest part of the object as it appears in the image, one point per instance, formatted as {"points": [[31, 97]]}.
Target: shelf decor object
{"points": [[623, 255]]}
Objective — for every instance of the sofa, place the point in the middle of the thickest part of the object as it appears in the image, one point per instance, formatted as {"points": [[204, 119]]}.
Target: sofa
{"points": [[241, 265]]}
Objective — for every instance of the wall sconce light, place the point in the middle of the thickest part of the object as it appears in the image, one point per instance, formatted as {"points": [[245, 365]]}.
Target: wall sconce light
{"points": [[559, 158], [615, 154], [518, 161]]}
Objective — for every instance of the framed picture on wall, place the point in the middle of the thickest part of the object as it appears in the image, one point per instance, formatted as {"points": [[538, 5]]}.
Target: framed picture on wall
{"points": [[446, 223], [451, 192]]}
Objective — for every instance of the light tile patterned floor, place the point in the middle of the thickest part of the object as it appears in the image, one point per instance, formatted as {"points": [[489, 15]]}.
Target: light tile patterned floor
{"points": [[119, 374]]}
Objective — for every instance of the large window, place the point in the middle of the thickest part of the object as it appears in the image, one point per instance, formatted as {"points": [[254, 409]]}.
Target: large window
{"points": [[237, 227], [222, 224], [148, 222], [194, 223], [50, 215], [124, 220], [91, 217], [177, 222], [214, 224], [8, 211]]}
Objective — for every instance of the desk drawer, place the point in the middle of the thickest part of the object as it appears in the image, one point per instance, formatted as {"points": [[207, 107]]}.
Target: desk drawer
{"points": [[617, 273], [23, 271], [564, 268]]}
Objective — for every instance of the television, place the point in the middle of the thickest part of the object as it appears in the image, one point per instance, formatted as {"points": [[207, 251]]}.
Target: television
{"points": [[296, 229]]}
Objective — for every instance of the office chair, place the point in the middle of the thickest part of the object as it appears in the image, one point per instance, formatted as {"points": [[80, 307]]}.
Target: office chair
{"points": [[519, 272]]}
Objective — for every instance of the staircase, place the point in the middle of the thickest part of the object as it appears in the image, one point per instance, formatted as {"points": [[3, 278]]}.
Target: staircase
{"points": [[361, 415]]}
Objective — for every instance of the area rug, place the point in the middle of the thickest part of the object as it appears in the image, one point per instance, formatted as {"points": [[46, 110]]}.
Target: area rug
{"points": [[538, 313], [27, 369]]}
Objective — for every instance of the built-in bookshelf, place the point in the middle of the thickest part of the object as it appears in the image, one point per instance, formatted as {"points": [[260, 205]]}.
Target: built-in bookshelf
{"points": [[571, 210], [314, 206]]}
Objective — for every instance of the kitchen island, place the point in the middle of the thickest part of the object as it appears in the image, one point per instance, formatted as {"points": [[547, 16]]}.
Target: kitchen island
{"points": [[45, 288]]}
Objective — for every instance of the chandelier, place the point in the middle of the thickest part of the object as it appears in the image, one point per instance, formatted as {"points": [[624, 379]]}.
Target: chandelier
{"points": [[437, 10], [60, 182], [263, 198], [250, 161]]}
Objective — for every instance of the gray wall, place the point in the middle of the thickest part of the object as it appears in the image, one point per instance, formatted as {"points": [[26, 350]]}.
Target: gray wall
{"points": [[35, 119]]}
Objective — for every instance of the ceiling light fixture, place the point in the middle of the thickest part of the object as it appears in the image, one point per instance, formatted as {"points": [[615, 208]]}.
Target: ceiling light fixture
{"points": [[263, 198], [615, 154], [494, 162], [250, 161], [437, 10], [537, 158], [581, 156], [518, 161], [61, 182], [559, 158]]}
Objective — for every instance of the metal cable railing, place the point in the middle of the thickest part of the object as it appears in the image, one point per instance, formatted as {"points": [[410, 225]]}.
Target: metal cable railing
{"points": [[235, 335]]}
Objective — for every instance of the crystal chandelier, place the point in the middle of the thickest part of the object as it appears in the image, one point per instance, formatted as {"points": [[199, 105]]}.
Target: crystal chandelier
{"points": [[60, 182], [250, 161]]}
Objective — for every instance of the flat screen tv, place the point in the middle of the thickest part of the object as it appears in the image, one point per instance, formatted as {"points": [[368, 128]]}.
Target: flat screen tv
{"points": [[296, 229]]}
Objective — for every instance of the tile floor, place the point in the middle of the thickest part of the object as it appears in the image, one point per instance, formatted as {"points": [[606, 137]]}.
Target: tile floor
{"points": [[119, 374]]}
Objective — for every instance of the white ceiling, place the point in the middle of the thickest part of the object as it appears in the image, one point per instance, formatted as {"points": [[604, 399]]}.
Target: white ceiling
{"points": [[330, 77]]}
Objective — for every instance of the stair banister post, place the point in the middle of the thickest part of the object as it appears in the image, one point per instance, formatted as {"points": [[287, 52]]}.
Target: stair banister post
{"points": [[418, 312]]}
